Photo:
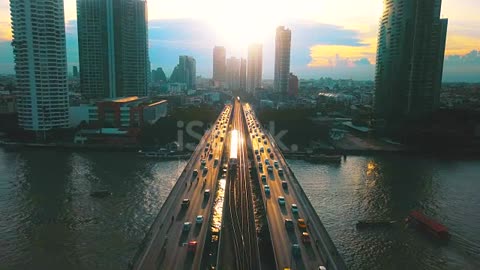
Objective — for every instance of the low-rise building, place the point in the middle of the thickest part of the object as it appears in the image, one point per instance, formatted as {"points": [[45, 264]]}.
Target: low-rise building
{"points": [[119, 113]]}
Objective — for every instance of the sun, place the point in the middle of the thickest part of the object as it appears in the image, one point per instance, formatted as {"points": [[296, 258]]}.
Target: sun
{"points": [[237, 24]]}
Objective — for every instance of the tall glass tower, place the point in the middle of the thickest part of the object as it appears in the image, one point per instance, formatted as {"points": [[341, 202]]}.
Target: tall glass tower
{"points": [[410, 54], [113, 48], [40, 63]]}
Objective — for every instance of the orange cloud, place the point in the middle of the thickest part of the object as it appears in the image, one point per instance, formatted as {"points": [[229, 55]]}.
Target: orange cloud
{"points": [[336, 55], [461, 45]]}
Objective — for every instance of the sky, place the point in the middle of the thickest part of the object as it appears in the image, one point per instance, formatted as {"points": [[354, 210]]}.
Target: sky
{"points": [[330, 38]]}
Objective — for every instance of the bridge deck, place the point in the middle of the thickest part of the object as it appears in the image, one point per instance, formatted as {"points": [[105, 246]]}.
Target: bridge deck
{"points": [[165, 245]]}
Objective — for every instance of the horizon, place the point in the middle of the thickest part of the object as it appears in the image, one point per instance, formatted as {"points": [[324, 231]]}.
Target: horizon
{"points": [[328, 39]]}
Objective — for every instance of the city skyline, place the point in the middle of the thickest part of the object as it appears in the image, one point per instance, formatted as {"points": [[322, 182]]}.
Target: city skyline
{"points": [[343, 44]]}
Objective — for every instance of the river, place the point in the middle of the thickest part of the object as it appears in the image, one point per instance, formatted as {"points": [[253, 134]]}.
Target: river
{"points": [[49, 220]]}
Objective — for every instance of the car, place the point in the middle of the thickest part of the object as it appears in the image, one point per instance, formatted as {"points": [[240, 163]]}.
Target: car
{"points": [[260, 166], [267, 162], [210, 156], [195, 172], [263, 136], [215, 162], [199, 219], [185, 203], [264, 177], [264, 141], [301, 224], [321, 267], [271, 155], [281, 200], [186, 226], [258, 158], [289, 224], [296, 252], [256, 151], [259, 140], [267, 190], [205, 170], [206, 193], [192, 246], [280, 172], [294, 209], [270, 168], [203, 162], [305, 238], [284, 184], [262, 150], [269, 150], [275, 163]]}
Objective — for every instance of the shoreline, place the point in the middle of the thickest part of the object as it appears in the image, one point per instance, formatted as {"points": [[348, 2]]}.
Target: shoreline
{"points": [[470, 153]]}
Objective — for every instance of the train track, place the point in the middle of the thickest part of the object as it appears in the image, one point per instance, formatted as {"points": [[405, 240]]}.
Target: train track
{"points": [[241, 206]]}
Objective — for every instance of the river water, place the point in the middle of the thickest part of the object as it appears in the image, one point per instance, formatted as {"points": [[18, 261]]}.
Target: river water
{"points": [[49, 221]]}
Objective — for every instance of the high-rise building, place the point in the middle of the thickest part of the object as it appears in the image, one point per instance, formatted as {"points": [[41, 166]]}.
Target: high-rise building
{"points": [[243, 74], [219, 67], [75, 72], [113, 48], [158, 75], [254, 67], [292, 85], [233, 74], [185, 72], [282, 59], [40, 63], [410, 54]]}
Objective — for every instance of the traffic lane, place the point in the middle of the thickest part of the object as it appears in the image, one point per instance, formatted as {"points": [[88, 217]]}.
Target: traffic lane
{"points": [[310, 256], [280, 239], [200, 231], [198, 206], [151, 258]]}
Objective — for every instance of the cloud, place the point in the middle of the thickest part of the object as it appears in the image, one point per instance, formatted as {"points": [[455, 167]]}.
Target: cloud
{"points": [[464, 67]]}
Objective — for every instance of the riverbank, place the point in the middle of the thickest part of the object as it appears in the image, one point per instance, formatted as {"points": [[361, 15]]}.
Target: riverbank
{"points": [[15, 146]]}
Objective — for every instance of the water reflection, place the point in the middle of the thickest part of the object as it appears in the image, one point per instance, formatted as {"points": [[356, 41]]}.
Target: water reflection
{"points": [[389, 187]]}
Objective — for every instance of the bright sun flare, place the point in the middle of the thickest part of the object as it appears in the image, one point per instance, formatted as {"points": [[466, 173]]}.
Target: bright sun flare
{"points": [[240, 23]]}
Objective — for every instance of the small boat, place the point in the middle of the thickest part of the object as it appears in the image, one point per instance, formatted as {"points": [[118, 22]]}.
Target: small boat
{"points": [[319, 158], [374, 223], [100, 193], [428, 225]]}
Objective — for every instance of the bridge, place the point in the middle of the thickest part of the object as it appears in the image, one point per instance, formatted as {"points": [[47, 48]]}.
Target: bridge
{"points": [[236, 179]]}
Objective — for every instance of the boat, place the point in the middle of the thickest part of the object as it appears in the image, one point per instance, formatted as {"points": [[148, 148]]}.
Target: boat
{"points": [[100, 193], [428, 225], [374, 223], [164, 155], [319, 158]]}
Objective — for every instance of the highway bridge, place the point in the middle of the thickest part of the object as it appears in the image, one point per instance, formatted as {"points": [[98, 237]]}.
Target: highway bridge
{"points": [[209, 219]]}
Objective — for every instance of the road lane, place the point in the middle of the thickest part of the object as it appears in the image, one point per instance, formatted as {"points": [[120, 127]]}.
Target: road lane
{"points": [[166, 248], [282, 239]]}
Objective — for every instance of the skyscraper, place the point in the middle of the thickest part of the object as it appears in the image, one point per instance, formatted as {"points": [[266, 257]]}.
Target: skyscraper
{"points": [[233, 74], [219, 68], [185, 72], [40, 63], [410, 54], [292, 85], [282, 59], [254, 67], [113, 48], [243, 74]]}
